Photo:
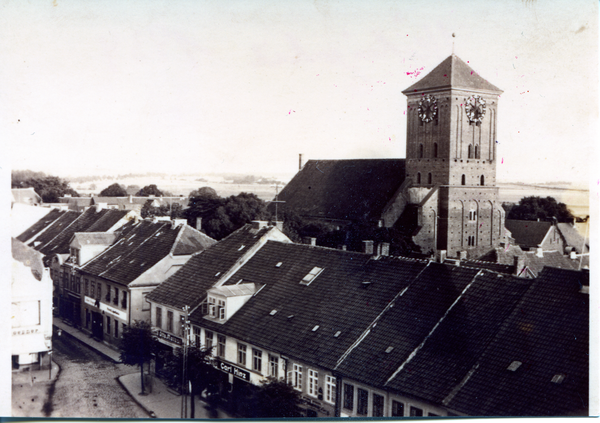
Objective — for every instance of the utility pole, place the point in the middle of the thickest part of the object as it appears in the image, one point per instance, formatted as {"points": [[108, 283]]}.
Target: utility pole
{"points": [[185, 329], [276, 200]]}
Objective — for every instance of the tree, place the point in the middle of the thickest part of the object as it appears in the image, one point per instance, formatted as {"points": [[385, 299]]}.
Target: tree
{"points": [[138, 346], [114, 190], [205, 192], [277, 399], [545, 209], [50, 188], [174, 210], [19, 178], [149, 190], [199, 370]]}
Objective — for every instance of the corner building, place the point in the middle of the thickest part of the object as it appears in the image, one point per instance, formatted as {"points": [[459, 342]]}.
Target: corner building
{"points": [[451, 160]]}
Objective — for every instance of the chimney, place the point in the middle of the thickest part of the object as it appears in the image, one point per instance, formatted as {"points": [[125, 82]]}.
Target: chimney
{"points": [[131, 198], [462, 255], [173, 224], [279, 225], [441, 256], [259, 224], [519, 264], [573, 255], [384, 249], [368, 247], [309, 240], [100, 206], [342, 247], [539, 252], [300, 163], [199, 223]]}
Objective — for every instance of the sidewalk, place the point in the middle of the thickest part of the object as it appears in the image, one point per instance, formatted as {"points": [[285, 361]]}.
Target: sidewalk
{"points": [[161, 402], [87, 339], [30, 391]]}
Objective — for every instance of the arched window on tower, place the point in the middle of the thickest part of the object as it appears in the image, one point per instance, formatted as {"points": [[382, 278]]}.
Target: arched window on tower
{"points": [[429, 178], [482, 181], [463, 180], [470, 155], [420, 151], [476, 152], [435, 149], [418, 178]]}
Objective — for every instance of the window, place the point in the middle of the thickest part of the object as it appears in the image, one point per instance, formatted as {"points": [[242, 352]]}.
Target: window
{"points": [[124, 300], [116, 297], [116, 329], [306, 280], [273, 366], [159, 317], [209, 339], [378, 403], [313, 382], [362, 406], [476, 152], [222, 340], [418, 177], [420, 151], [241, 354], [348, 396], [330, 389], [295, 376], [463, 180], [429, 178], [397, 409], [470, 156], [416, 412], [197, 340], [87, 287], [107, 296], [145, 304], [472, 215], [170, 321], [212, 309], [256, 360], [221, 308], [435, 149], [108, 324], [482, 182]]}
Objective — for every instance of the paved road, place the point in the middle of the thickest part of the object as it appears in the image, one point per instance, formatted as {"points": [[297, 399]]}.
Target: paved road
{"points": [[87, 385]]}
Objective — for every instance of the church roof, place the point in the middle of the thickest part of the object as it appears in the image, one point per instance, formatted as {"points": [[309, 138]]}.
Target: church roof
{"points": [[343, 189], [452, 73]]}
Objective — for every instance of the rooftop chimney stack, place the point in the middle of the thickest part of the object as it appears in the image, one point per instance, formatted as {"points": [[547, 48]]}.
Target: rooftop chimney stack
{"points": [[199, 223], [309, 240], [385, 249], [519, 264], [368, 247]]}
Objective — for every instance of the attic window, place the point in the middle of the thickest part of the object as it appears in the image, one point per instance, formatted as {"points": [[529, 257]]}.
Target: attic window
{"points": [[279, 264], [291, 316], [558, 379], [241, 248], [338, 333], [272, 313], [217, 274], [366, 284], [514, 366], [306, 280], [315, 328], [389, 350]]}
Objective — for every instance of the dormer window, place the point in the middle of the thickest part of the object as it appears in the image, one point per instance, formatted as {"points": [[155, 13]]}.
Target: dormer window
{"points": [[310, 276], [215, 307]]}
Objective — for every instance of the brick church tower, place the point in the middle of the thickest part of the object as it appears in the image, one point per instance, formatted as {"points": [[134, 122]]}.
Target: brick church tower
{"points": [[451, 160]]}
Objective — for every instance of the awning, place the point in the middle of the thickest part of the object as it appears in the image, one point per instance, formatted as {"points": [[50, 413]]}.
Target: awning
{"points": [[29, 344]]}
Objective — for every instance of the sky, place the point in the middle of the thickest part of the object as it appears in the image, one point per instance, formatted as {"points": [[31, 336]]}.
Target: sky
{"points": [[113, 87]]}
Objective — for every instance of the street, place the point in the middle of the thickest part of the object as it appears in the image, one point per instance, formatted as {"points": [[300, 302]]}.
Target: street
{"points": [[87, 385]]}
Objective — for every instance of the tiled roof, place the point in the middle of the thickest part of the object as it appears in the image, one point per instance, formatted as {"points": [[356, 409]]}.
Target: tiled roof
{"points": [[527, 233], [495, 267], [573, 238], [343, 189], [59, 225], [28, 256], [26, 196], [345, 297], [40, 225], [107, 220], [191, 241], [452, 73], [93, 238], [548, 333], [188, 286]]}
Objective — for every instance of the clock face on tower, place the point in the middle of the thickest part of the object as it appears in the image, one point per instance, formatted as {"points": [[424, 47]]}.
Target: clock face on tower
{"points": [[428, 108], [475, 108]]}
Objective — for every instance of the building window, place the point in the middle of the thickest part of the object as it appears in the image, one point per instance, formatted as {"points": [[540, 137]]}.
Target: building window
{"points": [[169, 321], [295, 377], [482, 182], [348, 396], [476, 152], [472, 215], [273, 365], [116, 297], [209, 340], [108, 325], [241, 354], [116, 329], [330, 389], [87, 287], [378, 403], [93, 291], [362, 406], [123, 327], [145, 303], [212, 307], [124, 300], [159, 317], [416, 412], [420, 151], [470, 156], [222, 340], [435, 149], [397, 409], [313, 382], [256, 360], [429, 178], [197, 340], [221, 308], [463, 180], [418, 178], [107, 296]]}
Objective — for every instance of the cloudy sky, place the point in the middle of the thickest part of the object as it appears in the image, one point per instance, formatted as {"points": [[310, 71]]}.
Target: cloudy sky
{"points": [[245, 86]]}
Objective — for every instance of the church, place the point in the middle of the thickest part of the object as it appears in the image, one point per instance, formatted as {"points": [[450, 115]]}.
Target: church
{"points": [[445, 188]]}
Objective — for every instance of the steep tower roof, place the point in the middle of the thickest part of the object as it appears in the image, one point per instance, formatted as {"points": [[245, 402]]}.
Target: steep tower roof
{"points": [[452, 73]]}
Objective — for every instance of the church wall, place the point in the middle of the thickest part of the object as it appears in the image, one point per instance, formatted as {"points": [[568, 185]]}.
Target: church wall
{"points": [[428, 212]]}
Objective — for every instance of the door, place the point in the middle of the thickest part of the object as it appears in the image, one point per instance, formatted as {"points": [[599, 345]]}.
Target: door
{"points": [[97, 325]]}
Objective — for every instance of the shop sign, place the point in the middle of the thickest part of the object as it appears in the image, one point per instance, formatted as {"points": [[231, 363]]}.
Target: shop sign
{"points": [[25, 331], [167, 336], [111, 310], [236, 371], [91, 301]]}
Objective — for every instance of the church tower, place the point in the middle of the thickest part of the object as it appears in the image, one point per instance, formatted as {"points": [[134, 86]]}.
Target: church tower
{"points": [[451, 160]]}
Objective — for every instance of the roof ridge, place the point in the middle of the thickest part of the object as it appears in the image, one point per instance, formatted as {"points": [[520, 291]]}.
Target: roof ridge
{"points": [[65, 228]]}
